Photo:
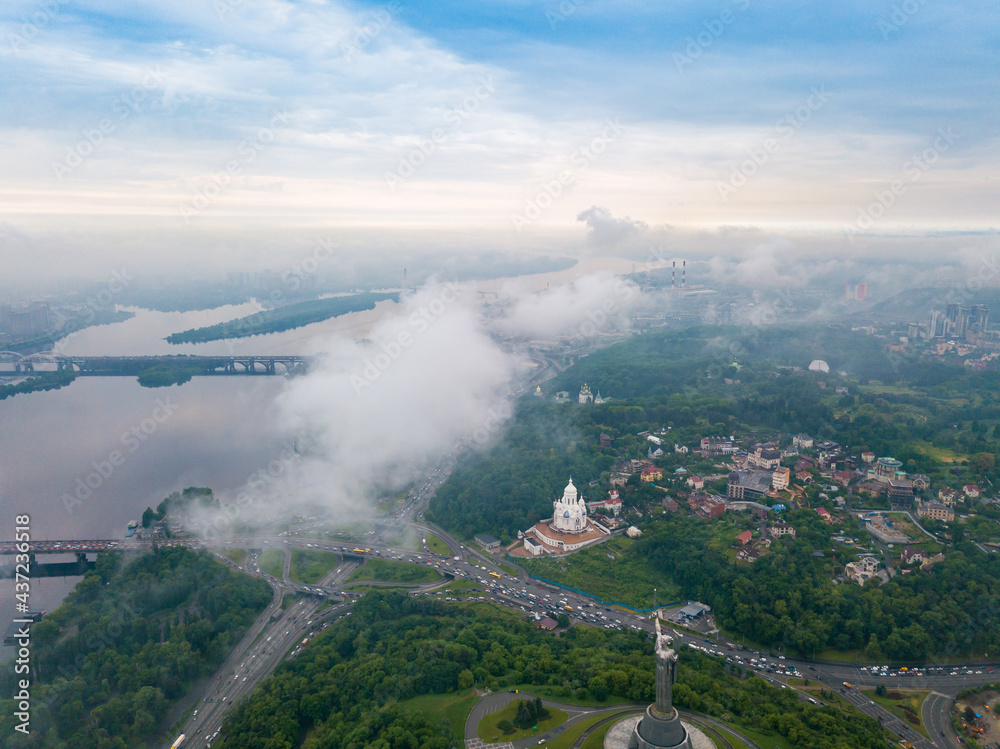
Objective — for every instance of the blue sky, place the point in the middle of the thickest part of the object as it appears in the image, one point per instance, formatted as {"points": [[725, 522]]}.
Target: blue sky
{"points": [[451, 115]]}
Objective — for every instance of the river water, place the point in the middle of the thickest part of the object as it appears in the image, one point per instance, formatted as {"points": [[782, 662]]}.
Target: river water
{"points": [[55, 447]]}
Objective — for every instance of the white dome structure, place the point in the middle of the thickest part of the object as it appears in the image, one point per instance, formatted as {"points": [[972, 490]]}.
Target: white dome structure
{"points": [[818, 365], [569, 513]]}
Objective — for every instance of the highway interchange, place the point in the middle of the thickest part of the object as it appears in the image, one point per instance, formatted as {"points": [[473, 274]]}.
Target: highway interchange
{"points": [[278, 634]]}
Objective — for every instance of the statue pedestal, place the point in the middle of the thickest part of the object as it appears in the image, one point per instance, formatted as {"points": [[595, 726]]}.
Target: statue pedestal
{"points": [[640, 732]]}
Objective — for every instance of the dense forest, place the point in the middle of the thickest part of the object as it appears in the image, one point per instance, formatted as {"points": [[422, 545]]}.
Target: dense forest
{"points": [[787, 599], [126, 644], [283, 318], [345, 690]]}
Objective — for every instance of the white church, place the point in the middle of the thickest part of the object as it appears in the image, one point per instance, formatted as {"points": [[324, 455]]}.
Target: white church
{"points": [[569, 529]]}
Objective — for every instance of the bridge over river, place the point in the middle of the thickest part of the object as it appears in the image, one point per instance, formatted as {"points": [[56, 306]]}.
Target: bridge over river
{"points": [[81, 548], [109, 366]]}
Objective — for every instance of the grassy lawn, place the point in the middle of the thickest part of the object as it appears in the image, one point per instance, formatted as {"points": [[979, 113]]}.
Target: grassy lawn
{"points": [[461, 586], [272, 562], [852, 656], [310, 566], [903, 703], [289, 600], [405, 539], [391, 571], [565, 740], [766, 740], [454, 707], [438, 546], [512, 571], [832, 698], [362, 589], [239, 556], [596, 739], [488, 731], [624, 579], [737, 744], [940, 454]]}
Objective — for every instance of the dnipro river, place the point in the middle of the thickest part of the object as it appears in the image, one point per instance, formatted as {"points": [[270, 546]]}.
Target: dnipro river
{"points": [[211, 431]]}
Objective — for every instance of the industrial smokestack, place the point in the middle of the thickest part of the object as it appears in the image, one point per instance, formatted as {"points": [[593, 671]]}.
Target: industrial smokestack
{"points": [[673, 275], [684, 273]]}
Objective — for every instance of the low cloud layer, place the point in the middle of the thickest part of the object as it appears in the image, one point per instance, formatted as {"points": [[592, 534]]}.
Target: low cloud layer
{"points": [[371, 415], [591, 305], [604, 230]]}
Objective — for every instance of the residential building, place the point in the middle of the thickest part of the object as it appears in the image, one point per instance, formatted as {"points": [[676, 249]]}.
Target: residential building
{"points": [[707, 506], [939, 557], [744, 538], [844, 478], [919, 481], [900, 493], [802, 441], [717, 446], [696, 482], [971, 491], [936, 511], [748, 484], [782, 529], [683, 449], [650, 474], [948, 496], [913, 555], [868, 457], [888, 468], [764, 457], [633, 532], [862, 570], [781, 478], [605, 440], [825, 514], [749, 554], [670, 504]]}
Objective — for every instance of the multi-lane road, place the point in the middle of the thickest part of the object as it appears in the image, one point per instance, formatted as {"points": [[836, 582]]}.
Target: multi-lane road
{"points": [[278, 634]]}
